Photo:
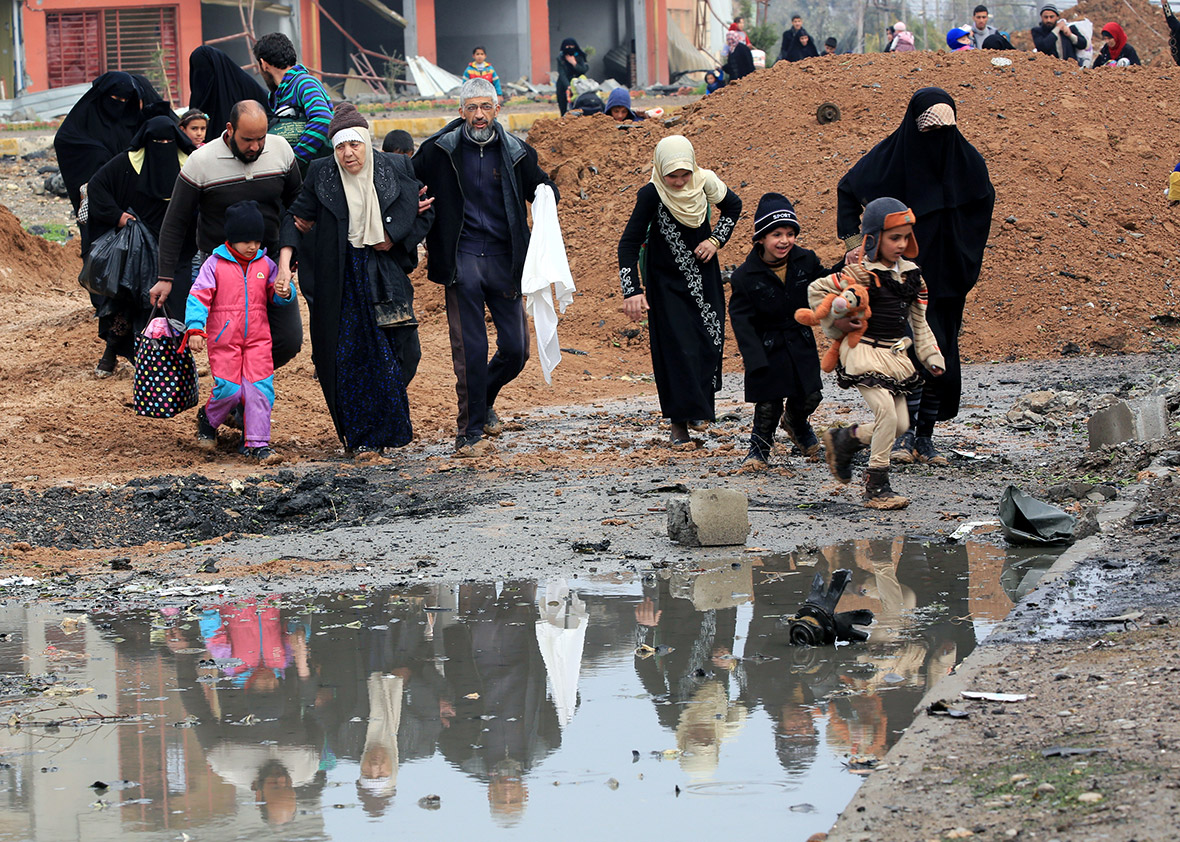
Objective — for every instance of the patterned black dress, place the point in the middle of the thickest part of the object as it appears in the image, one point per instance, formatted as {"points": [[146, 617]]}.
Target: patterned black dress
{"points": [[372, 409], [687, 300]]}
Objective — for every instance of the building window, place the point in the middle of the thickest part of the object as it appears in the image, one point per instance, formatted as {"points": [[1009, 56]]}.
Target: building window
{"points": [[143, 41], [74, 47]]}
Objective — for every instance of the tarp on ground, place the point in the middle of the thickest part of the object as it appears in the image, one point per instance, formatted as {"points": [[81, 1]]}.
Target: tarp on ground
{"points": [[684, 55], [432, 80]]}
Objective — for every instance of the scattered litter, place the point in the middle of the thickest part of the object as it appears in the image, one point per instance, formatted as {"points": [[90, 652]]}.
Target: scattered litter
{"points": [[972, 455], [591, 546], [1026, 520], [967, 528], [1141, 520], [940, 708], [430, 802], [975, 695], [1070, 751], [817, 624], [1131, 617], [1000, 61]]}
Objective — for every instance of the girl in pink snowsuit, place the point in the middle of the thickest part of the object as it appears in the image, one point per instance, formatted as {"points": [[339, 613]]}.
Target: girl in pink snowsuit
{"points": [[227, 309]]}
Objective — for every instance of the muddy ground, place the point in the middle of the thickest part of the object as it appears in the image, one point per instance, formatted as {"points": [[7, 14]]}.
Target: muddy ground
{"points": [[583, 489]]}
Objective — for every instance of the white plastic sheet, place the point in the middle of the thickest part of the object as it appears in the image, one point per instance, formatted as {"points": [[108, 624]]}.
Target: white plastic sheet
{"points": [[546, 278]]}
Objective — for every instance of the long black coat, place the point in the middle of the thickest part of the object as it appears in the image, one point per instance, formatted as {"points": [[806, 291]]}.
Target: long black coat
{"points": [[778, 353], [322, 199]]}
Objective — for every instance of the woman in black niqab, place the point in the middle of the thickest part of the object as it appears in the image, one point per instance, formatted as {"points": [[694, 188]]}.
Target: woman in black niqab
{"points": [[137, 182], [100, 126], [216, 83], [944, 180]]}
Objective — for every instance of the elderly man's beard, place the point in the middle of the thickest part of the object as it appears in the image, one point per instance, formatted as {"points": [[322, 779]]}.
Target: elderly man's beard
{"points": [[481, 135]]}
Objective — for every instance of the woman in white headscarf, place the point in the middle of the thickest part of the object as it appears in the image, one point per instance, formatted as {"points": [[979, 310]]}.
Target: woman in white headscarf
{"points": [[364, 336], [669, 270]]}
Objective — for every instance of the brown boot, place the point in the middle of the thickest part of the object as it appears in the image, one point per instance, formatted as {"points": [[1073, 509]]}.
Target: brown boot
{"points": [[878, 494]]}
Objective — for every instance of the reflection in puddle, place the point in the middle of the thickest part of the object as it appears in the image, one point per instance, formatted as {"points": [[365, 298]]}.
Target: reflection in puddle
{"points": [[487, 708]]}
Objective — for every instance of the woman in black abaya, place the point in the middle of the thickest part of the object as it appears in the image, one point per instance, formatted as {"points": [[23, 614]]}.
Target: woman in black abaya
{"points": [[928, 165], [216, 83], [136, 184], [99, 127]]}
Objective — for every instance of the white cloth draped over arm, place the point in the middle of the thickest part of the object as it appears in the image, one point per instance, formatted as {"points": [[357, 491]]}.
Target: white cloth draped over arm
{"points": [[546, 278]]}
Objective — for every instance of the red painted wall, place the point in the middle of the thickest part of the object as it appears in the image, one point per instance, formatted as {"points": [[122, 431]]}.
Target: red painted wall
{"points": [[188, 20], [427, 37], [540, 56]]}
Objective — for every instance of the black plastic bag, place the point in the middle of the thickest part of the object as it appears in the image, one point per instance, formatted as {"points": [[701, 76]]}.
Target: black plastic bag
{"points": [[122, 263], [103, 266], [1026, 520]]}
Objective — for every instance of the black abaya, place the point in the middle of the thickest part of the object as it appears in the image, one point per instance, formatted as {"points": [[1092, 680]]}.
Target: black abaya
{"points": [[98, 127], [140, 184], [687, 317], [945, 181], [216, 83]]}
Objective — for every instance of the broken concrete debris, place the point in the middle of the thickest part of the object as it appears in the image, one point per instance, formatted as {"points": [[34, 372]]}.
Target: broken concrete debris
{"points": [[1143, 419], [709, 517]]}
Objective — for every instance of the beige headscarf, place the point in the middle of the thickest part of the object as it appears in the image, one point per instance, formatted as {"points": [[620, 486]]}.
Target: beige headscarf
{"points": [[364, 208], [689, 205]]}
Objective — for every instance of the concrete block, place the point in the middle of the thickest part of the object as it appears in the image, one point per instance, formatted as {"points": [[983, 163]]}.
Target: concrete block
{"points": [[1143, 419], [10, 146], [709, 517]]}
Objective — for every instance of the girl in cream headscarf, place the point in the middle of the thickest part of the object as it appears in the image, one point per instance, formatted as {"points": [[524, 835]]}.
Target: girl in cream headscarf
{"points": [[669, 270]]}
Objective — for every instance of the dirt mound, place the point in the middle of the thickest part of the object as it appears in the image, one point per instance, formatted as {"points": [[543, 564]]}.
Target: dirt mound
{"points": [[29, 265], [1080, 250]]}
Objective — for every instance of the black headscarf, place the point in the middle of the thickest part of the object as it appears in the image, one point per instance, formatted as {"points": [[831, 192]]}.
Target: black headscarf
{"points": [[943, 179], [216, 83], [796, 51], [99, 127], [161, 139], [569, 47]]}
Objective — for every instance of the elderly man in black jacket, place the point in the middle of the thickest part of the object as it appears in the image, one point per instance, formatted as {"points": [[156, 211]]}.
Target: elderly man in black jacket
{"points": [[481, 177], [1055, 37]]}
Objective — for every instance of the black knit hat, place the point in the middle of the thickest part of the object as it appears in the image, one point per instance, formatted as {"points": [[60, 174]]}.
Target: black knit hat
{"points": [[345, 116], [774, 211], [243, 223]]}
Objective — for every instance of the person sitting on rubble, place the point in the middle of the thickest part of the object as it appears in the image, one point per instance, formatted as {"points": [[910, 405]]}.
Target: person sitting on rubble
{"points": [[1173, 30], [586, 105], [902, 40], [1115, 52], [1054, 37], [778, 353], [959, 39], [618, 106]]}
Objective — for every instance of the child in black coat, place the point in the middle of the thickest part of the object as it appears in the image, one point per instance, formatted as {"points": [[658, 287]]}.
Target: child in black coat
{"points": [[779, 354]]}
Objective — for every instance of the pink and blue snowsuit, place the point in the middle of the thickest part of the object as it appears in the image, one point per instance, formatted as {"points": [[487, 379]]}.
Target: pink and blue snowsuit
{"points": [[229, 305]]}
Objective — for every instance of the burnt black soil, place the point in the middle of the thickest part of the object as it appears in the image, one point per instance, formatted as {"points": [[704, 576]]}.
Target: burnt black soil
{"points": [[195, 508]]}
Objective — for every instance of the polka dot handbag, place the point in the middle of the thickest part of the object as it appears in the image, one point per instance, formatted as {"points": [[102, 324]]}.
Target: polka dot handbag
{"points": [[165, 379]]}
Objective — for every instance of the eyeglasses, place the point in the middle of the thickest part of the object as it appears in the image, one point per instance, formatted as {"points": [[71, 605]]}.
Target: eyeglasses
{"points": [[487, 108]]}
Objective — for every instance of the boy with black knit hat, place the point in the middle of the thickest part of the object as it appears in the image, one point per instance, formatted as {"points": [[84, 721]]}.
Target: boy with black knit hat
{"points": [[879, 365], [779, 354], [226, 312]]}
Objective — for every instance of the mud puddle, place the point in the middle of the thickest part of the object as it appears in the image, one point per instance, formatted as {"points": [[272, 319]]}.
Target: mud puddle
{"points": [[486, 708]]}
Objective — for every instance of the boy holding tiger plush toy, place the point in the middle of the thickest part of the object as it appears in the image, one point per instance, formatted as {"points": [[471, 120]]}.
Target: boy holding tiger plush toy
{"points": [[878, 365], [779, 354]]}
